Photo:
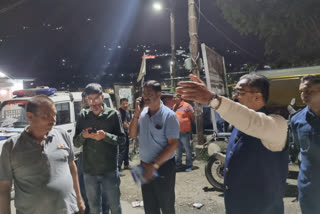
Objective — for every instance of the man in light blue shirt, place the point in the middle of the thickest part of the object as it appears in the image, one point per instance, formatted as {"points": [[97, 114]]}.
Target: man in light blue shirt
{"points": [[158, 129]]}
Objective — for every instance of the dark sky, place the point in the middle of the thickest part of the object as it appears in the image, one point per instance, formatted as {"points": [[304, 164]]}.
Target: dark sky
{"points": [[40, 38]]}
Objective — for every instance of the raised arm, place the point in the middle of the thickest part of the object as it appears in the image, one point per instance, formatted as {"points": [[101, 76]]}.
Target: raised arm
{"points": [[271, 129], [134, 127]]}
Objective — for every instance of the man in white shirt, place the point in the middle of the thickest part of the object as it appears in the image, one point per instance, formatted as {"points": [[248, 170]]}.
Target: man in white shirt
{"points": [[257, 157]]}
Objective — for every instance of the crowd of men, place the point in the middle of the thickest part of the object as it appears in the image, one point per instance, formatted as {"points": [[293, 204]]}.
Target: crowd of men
{"points": [[40, 160]]}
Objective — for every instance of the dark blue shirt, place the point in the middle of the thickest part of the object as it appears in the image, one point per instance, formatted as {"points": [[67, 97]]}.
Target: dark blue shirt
{"points": [[305, 127]]}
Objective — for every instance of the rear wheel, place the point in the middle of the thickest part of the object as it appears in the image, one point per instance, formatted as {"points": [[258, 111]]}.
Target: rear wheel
{"points": [[214, 171]]}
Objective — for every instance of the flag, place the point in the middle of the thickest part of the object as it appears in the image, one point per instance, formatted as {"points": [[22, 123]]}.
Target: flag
{"points": [[142, 72]]}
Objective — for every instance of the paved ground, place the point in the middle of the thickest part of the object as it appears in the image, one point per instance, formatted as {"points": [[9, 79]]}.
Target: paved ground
{"points": [[126, 207], [193, 187]]}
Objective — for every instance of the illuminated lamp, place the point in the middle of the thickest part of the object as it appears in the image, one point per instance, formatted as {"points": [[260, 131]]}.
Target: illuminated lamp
{"points": [[33, 92]]}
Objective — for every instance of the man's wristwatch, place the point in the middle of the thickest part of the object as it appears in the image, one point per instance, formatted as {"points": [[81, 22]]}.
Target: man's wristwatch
{"points": [[214, 102], [155, 165]]}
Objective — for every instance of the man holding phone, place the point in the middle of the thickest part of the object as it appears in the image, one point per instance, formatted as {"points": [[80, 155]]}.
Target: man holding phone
{"points": [[158, 130], [100, 131]]}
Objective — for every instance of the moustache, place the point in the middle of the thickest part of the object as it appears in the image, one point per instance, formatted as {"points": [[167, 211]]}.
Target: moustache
{"points": [[96, 107]]}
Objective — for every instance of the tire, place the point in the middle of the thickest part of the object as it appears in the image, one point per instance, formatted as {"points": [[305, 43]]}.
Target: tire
{"points": [[214, 172]]}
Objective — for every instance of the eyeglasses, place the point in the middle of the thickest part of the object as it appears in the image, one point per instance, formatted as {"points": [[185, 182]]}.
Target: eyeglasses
{"points": [[238, 91], [93, 100]]}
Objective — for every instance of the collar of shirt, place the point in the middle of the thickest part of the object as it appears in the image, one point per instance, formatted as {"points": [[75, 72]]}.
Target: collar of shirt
{"points": [[33, 140], [103, 112], [263, 110], [158, 112], [310, 116], [180, 105]]}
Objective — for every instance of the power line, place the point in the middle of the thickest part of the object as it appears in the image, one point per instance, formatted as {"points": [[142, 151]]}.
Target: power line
{"points": [[10, 7], [226, 36]]}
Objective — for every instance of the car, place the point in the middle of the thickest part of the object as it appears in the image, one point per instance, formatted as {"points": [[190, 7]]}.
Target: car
{"points": [[68, 105]]}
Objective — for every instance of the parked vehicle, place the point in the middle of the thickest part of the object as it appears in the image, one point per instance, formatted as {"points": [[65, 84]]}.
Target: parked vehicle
{"points": [[214, 169]]}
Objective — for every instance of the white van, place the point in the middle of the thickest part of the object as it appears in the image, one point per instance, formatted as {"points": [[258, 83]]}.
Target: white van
{"points": [[68, 104]]}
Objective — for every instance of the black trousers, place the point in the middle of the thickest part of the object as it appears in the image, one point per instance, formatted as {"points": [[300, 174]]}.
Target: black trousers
{"points": [[159, 193], [124, 153]]}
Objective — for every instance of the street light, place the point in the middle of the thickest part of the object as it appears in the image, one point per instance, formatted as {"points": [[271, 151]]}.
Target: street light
{"points": [[158, 6]]}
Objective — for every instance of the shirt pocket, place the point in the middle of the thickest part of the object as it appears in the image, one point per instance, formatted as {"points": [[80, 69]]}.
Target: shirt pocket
{"points": [[61, 154], [157, 132]]}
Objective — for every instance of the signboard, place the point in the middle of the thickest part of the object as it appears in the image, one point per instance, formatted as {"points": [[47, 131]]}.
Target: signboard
{"points": [[215, 75], [124, 91], [215, 71], [148, 57]]}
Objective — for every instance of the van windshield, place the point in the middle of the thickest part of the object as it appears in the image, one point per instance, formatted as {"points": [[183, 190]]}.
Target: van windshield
{"points": [[13, 114]]}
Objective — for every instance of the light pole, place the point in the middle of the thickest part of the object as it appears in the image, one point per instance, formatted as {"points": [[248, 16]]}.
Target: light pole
{"points": [[193, 34], [158, 6]]}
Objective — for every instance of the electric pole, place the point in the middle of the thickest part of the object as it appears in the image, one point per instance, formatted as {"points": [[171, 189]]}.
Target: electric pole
{"points": [[194, 51], [173, 44]]}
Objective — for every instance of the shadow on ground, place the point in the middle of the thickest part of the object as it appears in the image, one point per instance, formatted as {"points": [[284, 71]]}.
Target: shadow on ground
{"points": [[293, 175], [291, 191], [212, 189], [184, 167]]}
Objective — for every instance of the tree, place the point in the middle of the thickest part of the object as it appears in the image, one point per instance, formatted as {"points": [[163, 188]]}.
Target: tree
{"points": [[289, 28]]}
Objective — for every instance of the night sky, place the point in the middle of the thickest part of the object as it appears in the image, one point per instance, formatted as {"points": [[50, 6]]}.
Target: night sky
{"points": [[63, 38]]}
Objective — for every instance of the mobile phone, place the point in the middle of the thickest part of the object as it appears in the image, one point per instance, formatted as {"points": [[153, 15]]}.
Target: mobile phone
{"points": [[141, 103], [93, 130]]}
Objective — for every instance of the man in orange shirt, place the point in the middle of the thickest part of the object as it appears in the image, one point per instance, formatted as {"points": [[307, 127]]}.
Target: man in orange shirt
{"points": [[185, 114]]}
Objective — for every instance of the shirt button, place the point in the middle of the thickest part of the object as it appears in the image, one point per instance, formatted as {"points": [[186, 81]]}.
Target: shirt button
{"points": [[231, 152], [227, 169], [227, 187]]}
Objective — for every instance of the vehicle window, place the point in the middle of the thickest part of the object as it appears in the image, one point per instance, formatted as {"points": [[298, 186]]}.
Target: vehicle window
{"points": [[107, 102], [77, 109], [63, 113], [13, 114]]}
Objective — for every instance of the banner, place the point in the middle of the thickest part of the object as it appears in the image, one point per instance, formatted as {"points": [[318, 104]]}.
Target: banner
{"points": [[142, 72]]}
